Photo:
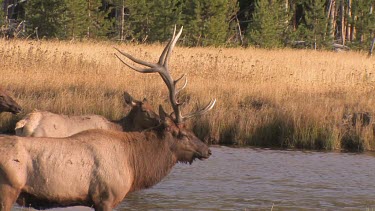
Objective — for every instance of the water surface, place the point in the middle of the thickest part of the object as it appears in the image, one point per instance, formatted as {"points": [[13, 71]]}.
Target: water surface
{"points": [[261, 179]]}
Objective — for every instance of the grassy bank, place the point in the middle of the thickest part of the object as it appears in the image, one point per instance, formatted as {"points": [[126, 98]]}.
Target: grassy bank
{"points": [[271, 98]]}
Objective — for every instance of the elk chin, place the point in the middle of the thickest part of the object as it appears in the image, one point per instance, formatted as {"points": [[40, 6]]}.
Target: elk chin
{"points": [[187, 157], [193, 156]]}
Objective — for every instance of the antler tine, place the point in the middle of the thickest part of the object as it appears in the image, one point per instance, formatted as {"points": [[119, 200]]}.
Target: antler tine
{"points": [[183, 87], [142, 70], [166, 49], [208, 107], [138, 61], [171, 46]]}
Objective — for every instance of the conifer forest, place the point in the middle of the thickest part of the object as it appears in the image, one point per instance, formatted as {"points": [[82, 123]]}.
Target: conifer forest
{"points": [[314, 24]]}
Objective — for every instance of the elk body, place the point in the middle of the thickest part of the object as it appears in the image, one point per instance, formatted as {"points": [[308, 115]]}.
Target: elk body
{"points": [[7, 104], [47, 124], [98, 168], [95, 168]]}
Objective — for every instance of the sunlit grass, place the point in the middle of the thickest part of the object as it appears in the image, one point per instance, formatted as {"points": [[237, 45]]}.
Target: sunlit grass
{"points": [[271, 98]]}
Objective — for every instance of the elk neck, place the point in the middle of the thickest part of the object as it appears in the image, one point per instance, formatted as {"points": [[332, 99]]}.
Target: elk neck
{"points": [[150, 158]]}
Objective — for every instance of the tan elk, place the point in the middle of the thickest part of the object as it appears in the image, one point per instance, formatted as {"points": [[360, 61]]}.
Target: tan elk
{"points": [[7, 104], [47, 124], [98, 168]]}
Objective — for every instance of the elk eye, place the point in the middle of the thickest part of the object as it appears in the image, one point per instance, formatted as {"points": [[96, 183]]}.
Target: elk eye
{"points": [[147, 114], [182, 134]]}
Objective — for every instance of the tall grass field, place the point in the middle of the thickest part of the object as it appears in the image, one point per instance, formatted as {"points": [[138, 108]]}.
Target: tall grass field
{"points": [[269, 98]]}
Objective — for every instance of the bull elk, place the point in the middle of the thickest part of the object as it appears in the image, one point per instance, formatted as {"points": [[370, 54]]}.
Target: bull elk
{"points": [[98, 168], [7, 104], [47, 124]]}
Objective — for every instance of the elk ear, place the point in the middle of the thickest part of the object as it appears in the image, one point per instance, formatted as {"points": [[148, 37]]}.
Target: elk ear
{"points": [[165, 119], [129, 99], [163, 115], [144, 100]]}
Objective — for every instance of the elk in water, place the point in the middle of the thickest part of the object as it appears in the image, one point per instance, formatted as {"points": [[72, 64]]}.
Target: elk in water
{"points": [[97, 168], [7, 104], [47, 124]]}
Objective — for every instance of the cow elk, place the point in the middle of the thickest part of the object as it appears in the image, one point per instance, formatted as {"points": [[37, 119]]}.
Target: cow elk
{"points": [[98, 168], [7, 104], [47, 124]]}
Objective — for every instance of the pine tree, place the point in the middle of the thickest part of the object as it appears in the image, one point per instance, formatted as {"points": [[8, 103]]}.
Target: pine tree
{"points": [[84, 18], [207, 22], [316, 23], [2, 14], [98, 23], [151, 21], [268, 24], [363, 20], [76, 19], [47, 16], [121, 25], [219, 12], [167, 13], [314, 26], [193, 22], [140, 19]]}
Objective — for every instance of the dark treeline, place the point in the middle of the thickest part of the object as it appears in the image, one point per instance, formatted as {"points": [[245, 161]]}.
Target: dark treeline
{"points": [[264, 23]]}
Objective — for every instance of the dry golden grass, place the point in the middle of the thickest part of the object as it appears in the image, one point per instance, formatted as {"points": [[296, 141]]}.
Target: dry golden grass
{"points": [[278, 98]]}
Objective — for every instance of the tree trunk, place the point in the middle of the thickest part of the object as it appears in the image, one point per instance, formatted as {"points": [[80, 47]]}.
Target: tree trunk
{"points": [[239, 30], [330, 18], [342, 14], [122, 35], [333, 17], [89, 14], [286, 6], [348, 26], [294, 21], [371, 47], [352, 28]]}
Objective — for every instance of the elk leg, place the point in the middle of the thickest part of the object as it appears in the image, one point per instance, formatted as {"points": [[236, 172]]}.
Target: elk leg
{"points": [[8, 197], [105, 202], [103, 207]]}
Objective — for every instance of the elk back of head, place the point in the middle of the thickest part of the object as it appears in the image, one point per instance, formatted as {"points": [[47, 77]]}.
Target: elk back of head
{"points": [[141, 116], [7, 104]]}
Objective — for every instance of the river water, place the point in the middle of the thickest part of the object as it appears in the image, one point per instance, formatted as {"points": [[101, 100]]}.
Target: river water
{"points": [[262, 179]]}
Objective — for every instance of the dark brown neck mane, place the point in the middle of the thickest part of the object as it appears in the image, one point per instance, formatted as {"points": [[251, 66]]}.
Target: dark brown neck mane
{"points": [[151, 159], [127, 123]]}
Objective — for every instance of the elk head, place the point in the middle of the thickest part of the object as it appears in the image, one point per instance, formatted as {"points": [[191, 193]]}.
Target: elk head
{"points": [[142, 115], [7, 104], [186, 146]]}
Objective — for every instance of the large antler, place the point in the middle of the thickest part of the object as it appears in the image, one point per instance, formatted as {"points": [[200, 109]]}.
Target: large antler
{"points": [[162, 68]]}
